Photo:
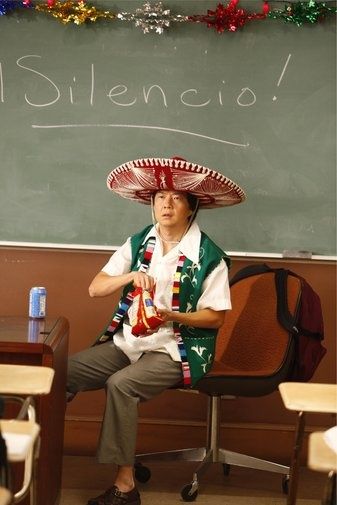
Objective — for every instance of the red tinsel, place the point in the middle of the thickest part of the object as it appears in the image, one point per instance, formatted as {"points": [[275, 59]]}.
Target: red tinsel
{"points": [[229, 17]]}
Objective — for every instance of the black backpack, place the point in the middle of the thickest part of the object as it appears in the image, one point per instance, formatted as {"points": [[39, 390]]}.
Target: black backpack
{"points": [[306, 326]]}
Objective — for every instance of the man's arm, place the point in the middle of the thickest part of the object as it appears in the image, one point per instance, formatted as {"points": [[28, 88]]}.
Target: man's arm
{"points": [[104, 284], [204, 318]]}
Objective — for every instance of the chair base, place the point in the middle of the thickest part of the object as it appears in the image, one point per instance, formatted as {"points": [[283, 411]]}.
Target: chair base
{"points": [[206, 457], [210, 454]]}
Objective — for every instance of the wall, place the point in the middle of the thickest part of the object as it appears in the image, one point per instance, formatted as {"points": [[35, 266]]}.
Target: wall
{"points": [[261, 426]]}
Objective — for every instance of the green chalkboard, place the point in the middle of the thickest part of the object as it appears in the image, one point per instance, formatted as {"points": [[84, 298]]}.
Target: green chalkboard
{"points": [[258, 105]]}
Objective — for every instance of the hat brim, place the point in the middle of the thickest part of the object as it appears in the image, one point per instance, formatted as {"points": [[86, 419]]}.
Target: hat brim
{"points": [[137, 180]]}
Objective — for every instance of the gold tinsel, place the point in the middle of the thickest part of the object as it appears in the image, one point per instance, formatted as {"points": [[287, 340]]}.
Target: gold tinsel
{"points": [[74, 12]]}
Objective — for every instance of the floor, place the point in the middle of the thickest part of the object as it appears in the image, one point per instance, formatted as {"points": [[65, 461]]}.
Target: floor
{"points": [[83, 478]]}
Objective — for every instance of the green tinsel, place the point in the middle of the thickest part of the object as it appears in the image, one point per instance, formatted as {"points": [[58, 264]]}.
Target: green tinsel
{"points": [[303, 12]]}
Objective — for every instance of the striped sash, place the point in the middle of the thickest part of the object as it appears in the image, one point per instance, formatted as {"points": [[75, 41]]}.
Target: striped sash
{"points": [[175, 307], [126, 302]]}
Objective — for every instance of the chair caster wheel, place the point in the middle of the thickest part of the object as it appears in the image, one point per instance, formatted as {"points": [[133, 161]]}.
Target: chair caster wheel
{"points": [[186, 493], [285, 484], [142, 473], [226, 468]]}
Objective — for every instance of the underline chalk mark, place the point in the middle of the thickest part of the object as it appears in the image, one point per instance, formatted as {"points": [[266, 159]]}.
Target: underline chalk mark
{"points": [[161, 128]]}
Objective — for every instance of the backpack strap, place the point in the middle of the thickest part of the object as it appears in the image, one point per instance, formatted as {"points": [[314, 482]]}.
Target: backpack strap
{"points": [[284, 316], [249, 271]]}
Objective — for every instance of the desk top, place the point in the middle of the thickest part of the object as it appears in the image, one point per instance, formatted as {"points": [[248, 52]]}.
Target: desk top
{"points": [[24, 329], [320, 456], [25, 380], [19, 437], [309, 397]]}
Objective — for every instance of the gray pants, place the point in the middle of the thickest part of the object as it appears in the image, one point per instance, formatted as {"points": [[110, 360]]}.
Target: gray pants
{"points": [[126, 384]]}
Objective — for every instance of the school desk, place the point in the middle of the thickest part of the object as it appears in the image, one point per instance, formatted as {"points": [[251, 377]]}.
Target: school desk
{"points": [[303, 398], [42, 343], [323, 458]]}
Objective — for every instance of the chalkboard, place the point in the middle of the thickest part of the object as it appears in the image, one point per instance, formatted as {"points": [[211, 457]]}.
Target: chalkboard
{"points": [[258, 105]]}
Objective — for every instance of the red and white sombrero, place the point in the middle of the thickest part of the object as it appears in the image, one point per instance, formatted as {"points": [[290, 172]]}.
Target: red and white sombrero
{"points": [[139, 179]]}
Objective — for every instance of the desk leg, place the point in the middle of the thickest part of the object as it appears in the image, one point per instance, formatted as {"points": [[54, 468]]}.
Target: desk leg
{"points": [[295, 460], [329, 497]]}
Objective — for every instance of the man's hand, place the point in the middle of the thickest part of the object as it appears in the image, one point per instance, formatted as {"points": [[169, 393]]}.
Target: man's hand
{"points": [[166, 315], [142, 280], [204, 318]]}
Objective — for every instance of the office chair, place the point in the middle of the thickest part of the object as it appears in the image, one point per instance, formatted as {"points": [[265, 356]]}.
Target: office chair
{"points": [[254, 354]]}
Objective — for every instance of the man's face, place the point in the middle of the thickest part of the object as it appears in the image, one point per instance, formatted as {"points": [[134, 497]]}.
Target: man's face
{"points": [[171, 208]]}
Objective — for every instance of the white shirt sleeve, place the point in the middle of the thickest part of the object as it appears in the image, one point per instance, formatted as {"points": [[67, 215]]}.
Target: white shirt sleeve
{"points": [[120, 262], [216, 294]]}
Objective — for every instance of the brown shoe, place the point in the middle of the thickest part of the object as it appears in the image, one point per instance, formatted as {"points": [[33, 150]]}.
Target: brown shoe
{"points": [[113, 496]]}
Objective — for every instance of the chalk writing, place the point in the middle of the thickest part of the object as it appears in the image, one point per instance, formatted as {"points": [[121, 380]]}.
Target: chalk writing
{"points": [[58, 93], [282, 74], [120, 94], [251, 97]]}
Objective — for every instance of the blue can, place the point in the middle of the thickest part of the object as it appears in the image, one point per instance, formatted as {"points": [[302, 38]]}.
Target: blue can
{"points": [[36, 328], [37, 302]]}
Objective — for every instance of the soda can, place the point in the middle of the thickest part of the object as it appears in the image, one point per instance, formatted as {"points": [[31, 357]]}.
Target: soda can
{"points": [[36, 327], [37, 302]]}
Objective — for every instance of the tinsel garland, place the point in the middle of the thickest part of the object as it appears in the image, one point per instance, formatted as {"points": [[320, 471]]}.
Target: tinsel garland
{"points": [[7, 6], [155, 18], [229, 17], [151, 17], [76, 12], [303, 12]]}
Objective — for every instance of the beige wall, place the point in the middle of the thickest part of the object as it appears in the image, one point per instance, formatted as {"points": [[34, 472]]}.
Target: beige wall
{"points": [[258, 426]]}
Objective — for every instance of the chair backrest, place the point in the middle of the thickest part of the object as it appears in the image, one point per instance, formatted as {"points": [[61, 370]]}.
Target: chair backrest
{"points": [[252, 341]]}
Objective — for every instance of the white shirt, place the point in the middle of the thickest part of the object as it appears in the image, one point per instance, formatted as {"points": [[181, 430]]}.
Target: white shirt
{"points": [[215, 291]]}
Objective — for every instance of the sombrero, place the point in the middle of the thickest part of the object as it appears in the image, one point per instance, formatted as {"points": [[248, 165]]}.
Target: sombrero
{"points": [[138, 179]]}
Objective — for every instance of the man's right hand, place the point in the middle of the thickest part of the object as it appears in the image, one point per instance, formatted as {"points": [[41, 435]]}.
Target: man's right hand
{"points": [[142, 280]]}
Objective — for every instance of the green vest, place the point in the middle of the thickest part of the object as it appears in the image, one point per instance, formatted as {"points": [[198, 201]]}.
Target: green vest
{"points": [[199, 342]]}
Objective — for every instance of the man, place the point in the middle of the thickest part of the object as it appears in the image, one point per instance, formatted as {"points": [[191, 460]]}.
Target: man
{"points": [[188, 275]]}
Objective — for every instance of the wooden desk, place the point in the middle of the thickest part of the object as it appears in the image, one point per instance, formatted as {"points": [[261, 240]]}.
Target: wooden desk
{"points": [[320, 456], [45, 342], [323, 459], [303, 397]]}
